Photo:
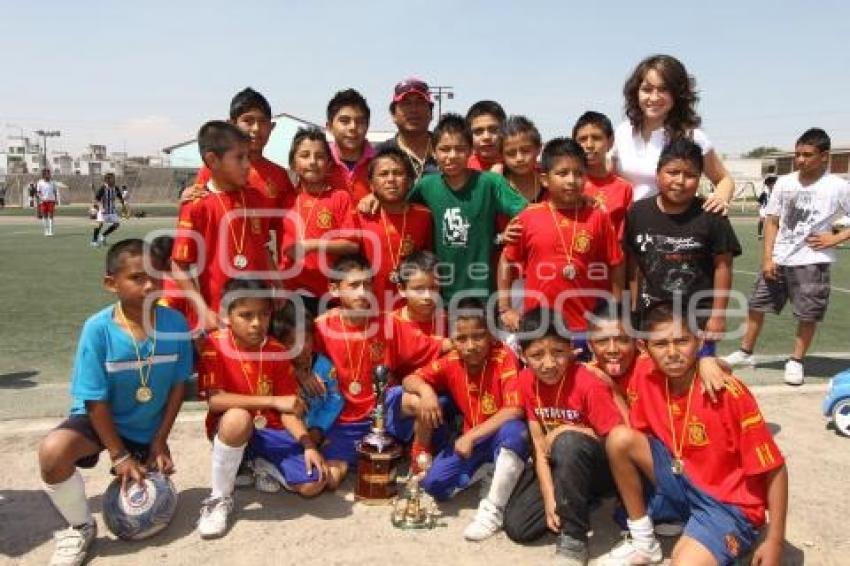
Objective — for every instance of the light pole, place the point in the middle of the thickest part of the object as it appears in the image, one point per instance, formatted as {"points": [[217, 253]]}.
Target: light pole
{"points": [[438, 92], [44, 135]]}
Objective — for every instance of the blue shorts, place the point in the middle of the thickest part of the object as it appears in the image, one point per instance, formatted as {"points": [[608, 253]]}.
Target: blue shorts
{"points": [[451, 473], [401, 426], [281, 449], [721, 528], [343, 438]]}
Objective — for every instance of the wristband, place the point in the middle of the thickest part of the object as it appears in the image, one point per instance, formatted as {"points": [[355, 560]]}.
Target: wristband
{"points": [[120, 460]]}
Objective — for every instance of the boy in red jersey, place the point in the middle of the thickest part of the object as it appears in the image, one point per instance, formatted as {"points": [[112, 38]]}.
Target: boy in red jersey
{"points": [[251, 113], [357, 340], [348, 122], [320, 227], [253, 404], [485, 119], [397, 229], [594, 133], [173, 297], [567, 251], [233, 240], [570, 410], [420, 289], [715, 463], [481, 379]]}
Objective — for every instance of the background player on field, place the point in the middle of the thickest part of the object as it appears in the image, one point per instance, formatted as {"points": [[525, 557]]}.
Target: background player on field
{"points": [[105, 200], [48, 197]]}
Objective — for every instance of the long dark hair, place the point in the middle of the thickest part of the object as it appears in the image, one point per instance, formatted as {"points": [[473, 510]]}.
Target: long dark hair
{"points": [[682, 118]]}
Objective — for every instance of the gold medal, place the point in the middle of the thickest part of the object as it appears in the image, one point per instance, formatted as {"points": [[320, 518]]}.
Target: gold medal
{"points": [[260, 421], [569, 271], [678, 466], [355, 388], [144, 394], [240, 261]]}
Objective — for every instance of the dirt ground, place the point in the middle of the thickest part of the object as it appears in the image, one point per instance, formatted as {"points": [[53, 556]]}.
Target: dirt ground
{"points": [[332, 529]]}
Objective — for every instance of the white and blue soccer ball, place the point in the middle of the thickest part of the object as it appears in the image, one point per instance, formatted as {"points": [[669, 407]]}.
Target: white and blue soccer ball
{"points": [[139, 513]]}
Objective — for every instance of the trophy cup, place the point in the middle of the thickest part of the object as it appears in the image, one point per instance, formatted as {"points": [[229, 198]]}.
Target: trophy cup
{"points": [[415, 509], [378, 453]]}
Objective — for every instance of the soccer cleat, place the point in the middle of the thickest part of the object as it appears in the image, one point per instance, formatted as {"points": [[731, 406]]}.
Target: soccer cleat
{"points": [[487, 522], [72, 544], [265, 468], [101, 240], [794, 373], [94, 244], [570, 551], [740, 358], [628, 553], [214, 516], [245, 475]]}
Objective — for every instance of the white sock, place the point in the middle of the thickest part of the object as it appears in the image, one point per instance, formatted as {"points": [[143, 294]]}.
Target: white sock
{"points": [[225, 464], [69, 498], [45, 222], [642, 532], [506, 473], [50, 224]]}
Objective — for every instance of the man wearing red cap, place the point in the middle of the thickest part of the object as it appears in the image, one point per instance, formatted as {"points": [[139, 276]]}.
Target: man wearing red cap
{"points": [[412, 110]]}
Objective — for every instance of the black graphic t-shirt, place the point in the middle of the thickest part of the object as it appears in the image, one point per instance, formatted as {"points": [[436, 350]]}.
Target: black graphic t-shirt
{"points": [[675, 252]]}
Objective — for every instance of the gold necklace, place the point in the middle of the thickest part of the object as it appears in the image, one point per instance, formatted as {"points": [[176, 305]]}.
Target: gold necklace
{"points": [[395, 259], [263, 388], [355, 387], [239, 260], [472, 415], [417, 162], [540, 402], [678, 465], [569, 271], [144, 393]]}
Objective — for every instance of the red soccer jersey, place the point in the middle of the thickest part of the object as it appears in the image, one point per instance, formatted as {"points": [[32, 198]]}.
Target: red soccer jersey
{"points": [[243, 235], [476, 163], [260, 371], [387, 239], [614, 195], [174, 297], [579, 398], [312, 218], [726, 447], [551, 241], [356, 350], [478, 397], [355, 180], [438, 326]]}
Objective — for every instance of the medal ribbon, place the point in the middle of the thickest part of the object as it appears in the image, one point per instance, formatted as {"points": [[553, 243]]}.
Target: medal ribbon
{"points": [[540, 401], [678, 448], [144, 377], [469, 394], [238, 245], [356, 370], [395, 258], [250, 385], [568, 251]]}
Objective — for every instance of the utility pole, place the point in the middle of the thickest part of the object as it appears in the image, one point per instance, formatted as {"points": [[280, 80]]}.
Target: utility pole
{"points": [[44, 135], [439, 92]]}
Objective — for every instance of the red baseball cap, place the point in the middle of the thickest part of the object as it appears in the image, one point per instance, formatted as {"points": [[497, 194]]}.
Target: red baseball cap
{"points": [[411, 86]]}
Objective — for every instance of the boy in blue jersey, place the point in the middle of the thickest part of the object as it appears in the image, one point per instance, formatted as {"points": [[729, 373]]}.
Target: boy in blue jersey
{"points": [[132, 361]]}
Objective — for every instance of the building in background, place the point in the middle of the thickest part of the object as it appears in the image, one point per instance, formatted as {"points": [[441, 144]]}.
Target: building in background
{"points": [[783, 163], [22, 155]]}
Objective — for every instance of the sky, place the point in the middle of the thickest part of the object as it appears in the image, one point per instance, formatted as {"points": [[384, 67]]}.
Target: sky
{"points": [[139, 76]]}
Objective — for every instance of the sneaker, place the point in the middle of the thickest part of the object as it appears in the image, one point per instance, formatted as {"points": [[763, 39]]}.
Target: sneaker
{"points": [[214, 514], [265, 469], [628, 553], [669, 529], [740, 358], [101, 240], [72, 544], [245, 475], [487, 522], [570, 551], [794, 373]]}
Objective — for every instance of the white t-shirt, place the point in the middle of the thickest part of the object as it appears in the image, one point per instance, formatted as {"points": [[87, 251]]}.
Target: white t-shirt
{"points": [[637, 160], [804, 211], [46, 190]]}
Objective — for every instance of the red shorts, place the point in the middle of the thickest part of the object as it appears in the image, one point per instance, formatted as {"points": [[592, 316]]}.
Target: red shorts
{"points": [[47, 206]]}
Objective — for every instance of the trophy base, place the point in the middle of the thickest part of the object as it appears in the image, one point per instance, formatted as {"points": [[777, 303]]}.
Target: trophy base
{"points": [[377, 469], [427, 521]]}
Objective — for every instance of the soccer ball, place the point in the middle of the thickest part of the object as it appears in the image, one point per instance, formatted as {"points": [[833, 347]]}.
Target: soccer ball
{"points": [[93, 213], [140, 513]]}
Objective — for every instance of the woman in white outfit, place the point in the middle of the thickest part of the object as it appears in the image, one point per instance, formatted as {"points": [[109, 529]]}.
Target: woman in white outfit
{"points": [[660, 98]]}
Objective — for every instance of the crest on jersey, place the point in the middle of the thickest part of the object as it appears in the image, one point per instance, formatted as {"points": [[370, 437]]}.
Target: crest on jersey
{"points": [[324, 219], [376, 351], [696, 434], [582, 241], [488, 404], [406, 246]]}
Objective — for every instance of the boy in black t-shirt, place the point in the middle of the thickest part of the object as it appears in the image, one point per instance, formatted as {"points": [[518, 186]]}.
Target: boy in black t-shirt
{"points": [[676, 250]]}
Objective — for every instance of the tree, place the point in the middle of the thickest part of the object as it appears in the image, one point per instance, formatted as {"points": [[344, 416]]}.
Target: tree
{"points": [[761, 151]]}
